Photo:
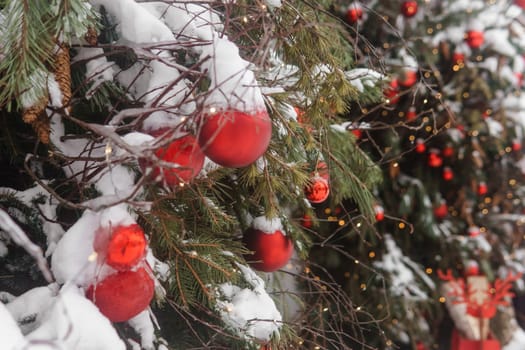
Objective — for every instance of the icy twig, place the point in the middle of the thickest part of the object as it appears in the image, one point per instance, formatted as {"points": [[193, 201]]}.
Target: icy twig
{"points": [[19, 237]]}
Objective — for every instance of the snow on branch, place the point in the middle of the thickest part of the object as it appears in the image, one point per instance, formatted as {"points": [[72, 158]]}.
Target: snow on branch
{"points": [[19, 237]]}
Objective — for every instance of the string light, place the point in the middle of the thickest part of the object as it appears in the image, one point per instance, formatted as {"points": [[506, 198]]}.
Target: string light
{"points": [[442, 300], [401, 225], [428, 270], [372, 254]]}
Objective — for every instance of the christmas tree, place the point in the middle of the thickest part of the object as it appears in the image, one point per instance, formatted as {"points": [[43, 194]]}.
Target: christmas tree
{"points": [[161, 161], [261, 174], [448, 137]]}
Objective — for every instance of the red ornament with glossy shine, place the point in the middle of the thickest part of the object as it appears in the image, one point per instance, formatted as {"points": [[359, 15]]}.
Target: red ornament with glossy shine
{"points": [[441, 211], [318, 190], [354, 13], [474, 39], [482, 188], [185, 155], [411, 114], [420, 146], [458, 58], [271, 251], [448, 174], [392, 92], [408, 78], [235, 139], [379, 212], [409, 8], [434, 160], [123, 295], [126, 247]]}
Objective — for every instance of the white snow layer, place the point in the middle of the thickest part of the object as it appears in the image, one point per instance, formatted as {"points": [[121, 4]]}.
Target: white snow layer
{"points": [[517, 342], [74, 259], [406, 275], [250, 312], [262, 223]]}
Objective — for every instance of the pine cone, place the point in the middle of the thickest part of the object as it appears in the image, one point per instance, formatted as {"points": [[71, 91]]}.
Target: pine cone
{"points": [[42, 128], [63, 74], [31, 114], [91, 36]]}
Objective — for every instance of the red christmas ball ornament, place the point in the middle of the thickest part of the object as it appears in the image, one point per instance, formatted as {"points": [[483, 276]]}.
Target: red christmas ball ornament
{"points": [[520, 3], [379, 212], [357, 133], [354, 13], [473, 231], [441, 211], [411, 114], [474, 39], [458, 57], [392, 92], [448, 174], [420, 146], [271, 251], [318, 190], [434, 159], [448, 151], [235, 139], [306, 221], [123, 295], [409, 8], [421, 346], [516, 145], [124, 246], [185, 155], [408, 78], [482, 188], [472, 268]]}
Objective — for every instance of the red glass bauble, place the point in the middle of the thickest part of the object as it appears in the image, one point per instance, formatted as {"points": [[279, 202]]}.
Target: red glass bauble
{"points": [[420, 146], [354, 13], [357, 133], [516, 145], [472, 268], [448, 151], [379, 213], [408, 78], [448, 174], [124, 246], [123, 295], [458, 58], [441, 211], [392, 91], [474, 39], [306, 221], [318, 190], [473, 231], [434, 160], [421, 346], [271, 251], [411, 114], [235, 139], [482, 188], [185, 155], [409, 8], [520, 3]]}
